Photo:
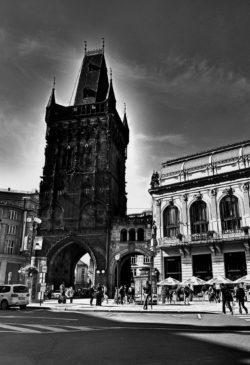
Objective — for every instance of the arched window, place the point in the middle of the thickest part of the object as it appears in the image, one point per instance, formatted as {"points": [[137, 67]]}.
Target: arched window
{"points": [[229, 212], [123, 235], [171, 221], [131, 234], [198, 217], [140, 234]]}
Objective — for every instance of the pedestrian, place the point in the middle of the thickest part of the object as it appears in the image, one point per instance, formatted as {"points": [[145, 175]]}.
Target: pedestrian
{"points": [[70, 294], [227, 298], [204, 291], [187, 294], [92, 294], [240, 297], [147, 293], [121, 294], [99, 294], [62, 297], [174, 296]]}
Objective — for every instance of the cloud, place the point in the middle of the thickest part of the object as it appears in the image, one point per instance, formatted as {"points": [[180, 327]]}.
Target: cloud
{"points": [[174, 139]]}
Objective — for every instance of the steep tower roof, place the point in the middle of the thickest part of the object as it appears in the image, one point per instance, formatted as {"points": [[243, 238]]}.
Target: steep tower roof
{"points": [[111, 97], [52, 99], [93, 81]]}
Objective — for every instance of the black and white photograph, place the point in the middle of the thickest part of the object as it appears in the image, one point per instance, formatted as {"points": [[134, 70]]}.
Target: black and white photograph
{"points": [[124, 182]]}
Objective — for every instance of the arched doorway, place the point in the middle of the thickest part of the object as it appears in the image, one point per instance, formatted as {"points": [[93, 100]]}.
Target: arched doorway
{"points": [[63, 260], [133, 269]]}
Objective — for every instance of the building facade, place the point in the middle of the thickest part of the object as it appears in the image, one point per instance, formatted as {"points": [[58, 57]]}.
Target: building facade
{"points": [[83, 183], [202, 213], [17, 210], [130, 249]]}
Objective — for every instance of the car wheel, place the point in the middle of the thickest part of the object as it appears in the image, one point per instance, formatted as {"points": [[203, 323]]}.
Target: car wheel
{"points": [[4, 305], [23, 306]]}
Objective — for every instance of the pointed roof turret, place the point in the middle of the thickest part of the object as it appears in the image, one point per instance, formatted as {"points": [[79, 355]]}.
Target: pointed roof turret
{"points": [[52, 99], [50, 108], [111, 95], [93, 80], [125, 121]]}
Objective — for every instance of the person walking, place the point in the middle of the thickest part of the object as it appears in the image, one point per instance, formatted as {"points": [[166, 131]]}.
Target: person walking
{"points": [[147, 293], [62, 298], [240, 296], [227, 298], [92, 294], [70, 294]]}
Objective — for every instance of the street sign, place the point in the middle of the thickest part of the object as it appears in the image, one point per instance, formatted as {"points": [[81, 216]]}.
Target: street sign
{"points": [[42, 287]]}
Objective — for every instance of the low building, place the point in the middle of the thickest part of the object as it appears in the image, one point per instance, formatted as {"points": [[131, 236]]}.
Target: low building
{"points": [[16, 208], [130, 248], [202, 213]]}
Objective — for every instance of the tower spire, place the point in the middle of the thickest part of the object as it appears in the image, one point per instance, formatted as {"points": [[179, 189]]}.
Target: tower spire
{"points": [[103, 44], [111, 94], [125, 121], [52, 99]]}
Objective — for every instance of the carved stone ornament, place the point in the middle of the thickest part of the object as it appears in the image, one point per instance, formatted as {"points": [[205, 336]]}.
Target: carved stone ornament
{"points": [[171, 201], [198, 196], [213, 192], [185, 197], [228, 191], [158, 203], [245, 186]]}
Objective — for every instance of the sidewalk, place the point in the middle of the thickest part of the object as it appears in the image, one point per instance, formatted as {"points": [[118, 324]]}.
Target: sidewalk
{"points": [[84, 306]]}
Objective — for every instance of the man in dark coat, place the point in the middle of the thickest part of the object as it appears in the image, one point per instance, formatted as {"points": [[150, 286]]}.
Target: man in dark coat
{"points": [[227, 298], [240, 296]]}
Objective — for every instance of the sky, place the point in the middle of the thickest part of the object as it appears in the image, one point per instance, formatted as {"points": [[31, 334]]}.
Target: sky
{"points": [[181, 66]]}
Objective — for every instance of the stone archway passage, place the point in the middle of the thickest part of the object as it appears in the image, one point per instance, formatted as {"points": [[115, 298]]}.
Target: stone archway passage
{"points": [[62, 262]]}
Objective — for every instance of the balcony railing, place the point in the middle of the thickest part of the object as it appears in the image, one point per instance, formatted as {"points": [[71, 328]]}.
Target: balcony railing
{"points": [[204, 237]]}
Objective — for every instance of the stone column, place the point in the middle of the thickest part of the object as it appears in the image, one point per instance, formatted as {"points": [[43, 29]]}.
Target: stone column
{"points": [[184, 214], [245, 188], [214, 216], [3, 267], [158, 219]]}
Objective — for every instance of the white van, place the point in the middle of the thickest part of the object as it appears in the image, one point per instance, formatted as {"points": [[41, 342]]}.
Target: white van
{"points": [[13, 296]]}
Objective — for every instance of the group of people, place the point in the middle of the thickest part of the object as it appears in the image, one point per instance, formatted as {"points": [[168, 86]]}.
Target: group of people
{"points": [[227, 297], [99, 293], [124, 295], [173, 295], [66, 293]]}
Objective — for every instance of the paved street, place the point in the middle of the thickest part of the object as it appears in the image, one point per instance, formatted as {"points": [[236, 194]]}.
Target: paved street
{"points": [[54, 335]]}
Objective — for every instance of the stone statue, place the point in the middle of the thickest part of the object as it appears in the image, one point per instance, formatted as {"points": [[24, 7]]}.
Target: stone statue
{"points": [[154, 230], [154, 180]]}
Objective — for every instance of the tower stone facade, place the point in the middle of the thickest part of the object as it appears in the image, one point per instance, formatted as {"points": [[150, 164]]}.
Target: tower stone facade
{"points": [[83, 182]]}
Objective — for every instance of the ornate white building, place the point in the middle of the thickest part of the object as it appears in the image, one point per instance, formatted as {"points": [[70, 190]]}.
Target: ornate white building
{"points": [[202, 213]]}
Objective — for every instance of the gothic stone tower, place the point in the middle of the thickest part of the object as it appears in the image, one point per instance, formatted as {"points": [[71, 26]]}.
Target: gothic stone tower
{"points": [[83, 182]]}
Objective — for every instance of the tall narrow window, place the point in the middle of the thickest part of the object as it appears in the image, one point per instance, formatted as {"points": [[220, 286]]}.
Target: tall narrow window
{"points": [[9, 247], [198, 217], [132, 234], [123, 235], [171, 221], [140, 234], [229, 211]]}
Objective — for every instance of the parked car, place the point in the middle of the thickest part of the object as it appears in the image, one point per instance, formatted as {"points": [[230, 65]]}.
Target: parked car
{"points": [[14, 295]]}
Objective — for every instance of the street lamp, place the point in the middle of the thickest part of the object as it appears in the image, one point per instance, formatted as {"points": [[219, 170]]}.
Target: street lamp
{"points": [[35, 222], [152, 248]]}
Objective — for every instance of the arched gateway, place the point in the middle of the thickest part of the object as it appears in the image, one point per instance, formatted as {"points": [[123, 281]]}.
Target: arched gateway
{"points": [[83, 182]]}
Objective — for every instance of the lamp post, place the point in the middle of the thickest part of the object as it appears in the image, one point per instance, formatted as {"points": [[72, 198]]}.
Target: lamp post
{"points": [[117, 258], [153, 243], [35, 222]]}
